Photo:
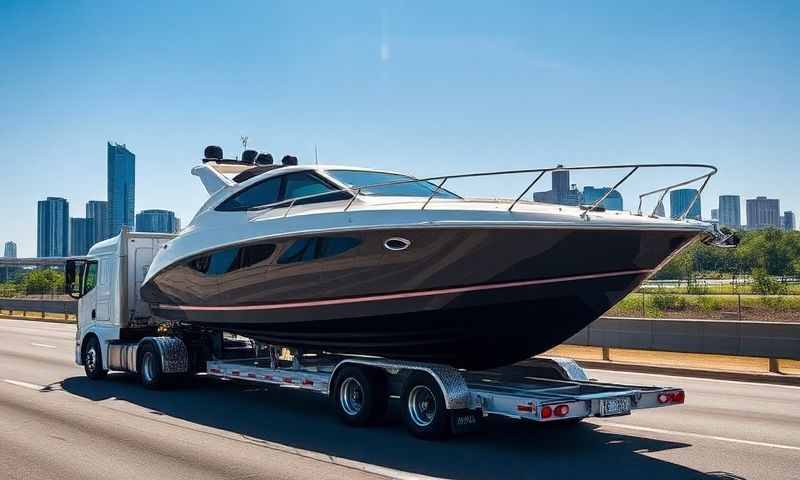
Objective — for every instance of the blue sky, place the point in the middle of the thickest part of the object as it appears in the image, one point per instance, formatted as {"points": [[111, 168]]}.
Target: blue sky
{"points": [[424, 87]]}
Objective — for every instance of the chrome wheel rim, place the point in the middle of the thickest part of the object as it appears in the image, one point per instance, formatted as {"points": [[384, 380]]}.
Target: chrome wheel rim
{"points": [[91, 359], [148, 367], [422, 405], [351, 396]]}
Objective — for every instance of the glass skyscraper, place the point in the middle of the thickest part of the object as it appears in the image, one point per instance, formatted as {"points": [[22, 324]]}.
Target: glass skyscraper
{"points": [[97, 212], [121, 187], [730, 214], [10, 250], [679, 201], [612, 202], [159, 221], [763, 212], [52, 233], [81, 235]]}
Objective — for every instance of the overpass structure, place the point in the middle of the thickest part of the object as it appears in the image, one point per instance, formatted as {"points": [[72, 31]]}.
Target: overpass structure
{"points": [[9, 266]]}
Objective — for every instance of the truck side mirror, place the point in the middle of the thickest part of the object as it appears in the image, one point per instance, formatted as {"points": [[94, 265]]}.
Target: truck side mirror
{"points": [[73, 276]]}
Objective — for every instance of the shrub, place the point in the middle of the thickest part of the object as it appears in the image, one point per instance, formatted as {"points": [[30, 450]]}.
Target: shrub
{"points": [[764, 284], [669, 301]]}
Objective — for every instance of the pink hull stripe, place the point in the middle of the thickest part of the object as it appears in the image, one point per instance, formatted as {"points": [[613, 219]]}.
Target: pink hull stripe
{"points": [[396, 296]]}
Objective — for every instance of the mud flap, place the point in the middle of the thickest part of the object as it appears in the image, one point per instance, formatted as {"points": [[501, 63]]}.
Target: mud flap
{"points": [[465, 421]]}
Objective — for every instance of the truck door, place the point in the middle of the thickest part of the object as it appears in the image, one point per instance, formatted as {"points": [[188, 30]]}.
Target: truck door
{"points": [[87, 305]]}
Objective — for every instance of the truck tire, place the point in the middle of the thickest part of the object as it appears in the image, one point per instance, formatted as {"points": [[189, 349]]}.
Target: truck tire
{"points": [[150, 371], [93, 359], [359, 396], [423, 407]]}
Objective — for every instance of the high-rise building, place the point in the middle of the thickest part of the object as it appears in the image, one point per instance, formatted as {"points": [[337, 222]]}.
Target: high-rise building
{"points": [[81, 235], [97, 212], [679, 201], [763, 212], [612, 202], [560, 182], [789, 221], [10, 250], [730, 214], [53, 228], [121, 187], [160, 221], [561, 193]]}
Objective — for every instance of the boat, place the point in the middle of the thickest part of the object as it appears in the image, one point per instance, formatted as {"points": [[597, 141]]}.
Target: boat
{"points": [[361, 261]]}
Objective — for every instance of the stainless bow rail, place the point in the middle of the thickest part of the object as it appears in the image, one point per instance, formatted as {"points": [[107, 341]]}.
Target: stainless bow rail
{"points": [[539, 172]]}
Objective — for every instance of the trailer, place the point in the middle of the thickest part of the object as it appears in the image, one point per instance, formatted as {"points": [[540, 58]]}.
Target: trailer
{"points": [[116, 331]]}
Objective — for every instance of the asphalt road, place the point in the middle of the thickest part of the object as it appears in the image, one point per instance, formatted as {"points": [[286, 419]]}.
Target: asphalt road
{"points": [[54, 423]]}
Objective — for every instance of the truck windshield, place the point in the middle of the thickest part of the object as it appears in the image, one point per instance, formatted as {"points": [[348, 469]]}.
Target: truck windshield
{"points": [[358, 179]]}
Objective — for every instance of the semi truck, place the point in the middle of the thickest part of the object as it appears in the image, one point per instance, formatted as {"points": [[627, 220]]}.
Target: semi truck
{"points": [[117, 331]]}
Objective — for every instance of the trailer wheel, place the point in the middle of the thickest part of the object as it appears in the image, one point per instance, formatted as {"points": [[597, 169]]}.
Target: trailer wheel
{"points": [[424, 410], [359, 396], [93, 359], [150, 371]]}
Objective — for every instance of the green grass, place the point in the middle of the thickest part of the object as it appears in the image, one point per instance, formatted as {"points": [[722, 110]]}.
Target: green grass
{"points": [[679, 305]]}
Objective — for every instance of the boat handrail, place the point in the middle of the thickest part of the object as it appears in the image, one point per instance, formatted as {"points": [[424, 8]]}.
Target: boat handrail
{"points": [[631, 169]]}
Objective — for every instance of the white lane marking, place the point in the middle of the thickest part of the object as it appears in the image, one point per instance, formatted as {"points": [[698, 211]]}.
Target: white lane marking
{"points": [[699, 379], [43, 345], [700, 435], [31, 386]]}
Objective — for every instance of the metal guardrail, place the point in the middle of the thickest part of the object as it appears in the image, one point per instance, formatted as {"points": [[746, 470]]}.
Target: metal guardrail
{"points": [[35, 305]]}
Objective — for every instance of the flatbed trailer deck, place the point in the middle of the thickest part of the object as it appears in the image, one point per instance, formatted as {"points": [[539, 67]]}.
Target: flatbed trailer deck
{"points": [[564, 394]]}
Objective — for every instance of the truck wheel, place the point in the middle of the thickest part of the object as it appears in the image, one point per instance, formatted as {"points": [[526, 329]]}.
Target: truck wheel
{"points": [[423, 406], [93, 360], [150, 370], [359, 396]]}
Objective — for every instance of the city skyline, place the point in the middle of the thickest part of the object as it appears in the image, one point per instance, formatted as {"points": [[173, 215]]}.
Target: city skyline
{"points": [[472, 88]]}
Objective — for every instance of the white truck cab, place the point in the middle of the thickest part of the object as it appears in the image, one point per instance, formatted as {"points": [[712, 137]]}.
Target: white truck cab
{"points": [[106, 283]]}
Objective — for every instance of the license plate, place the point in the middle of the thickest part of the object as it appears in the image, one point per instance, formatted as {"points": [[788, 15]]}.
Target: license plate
{"points": [[615, 406]]}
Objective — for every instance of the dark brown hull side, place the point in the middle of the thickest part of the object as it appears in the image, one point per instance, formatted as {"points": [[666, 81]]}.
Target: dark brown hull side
{"points": [[473, 298]]}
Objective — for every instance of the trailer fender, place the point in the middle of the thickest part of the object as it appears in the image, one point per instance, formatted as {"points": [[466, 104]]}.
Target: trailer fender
{"points": [[454, 388]]}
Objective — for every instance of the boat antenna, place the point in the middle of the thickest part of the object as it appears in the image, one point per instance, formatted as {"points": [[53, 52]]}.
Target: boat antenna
{"points": [[244, 142], [316, 160]]}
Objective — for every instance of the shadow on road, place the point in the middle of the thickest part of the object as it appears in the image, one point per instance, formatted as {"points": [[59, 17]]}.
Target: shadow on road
{"points": [[302, 420]]}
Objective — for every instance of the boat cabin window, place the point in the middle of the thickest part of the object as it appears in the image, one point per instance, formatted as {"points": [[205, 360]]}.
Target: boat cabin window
{"points": [[302, 185], [232, 259], [263, 193], [284, 188], [312, 248], [357, 179]]}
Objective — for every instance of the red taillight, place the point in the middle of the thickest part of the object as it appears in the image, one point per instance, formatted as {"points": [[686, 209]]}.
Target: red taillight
{"points": [[561, 410], [524, 408], [677, 396], [307, 382], [547, 412]]}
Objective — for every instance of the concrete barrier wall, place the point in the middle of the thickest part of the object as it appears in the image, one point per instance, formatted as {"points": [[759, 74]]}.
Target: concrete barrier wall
{"points": [[722, 337]]}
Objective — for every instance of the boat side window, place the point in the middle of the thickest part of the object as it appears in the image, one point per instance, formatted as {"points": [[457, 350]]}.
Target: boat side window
{"points": [[312, 248], [231, 259], [263, 193]]}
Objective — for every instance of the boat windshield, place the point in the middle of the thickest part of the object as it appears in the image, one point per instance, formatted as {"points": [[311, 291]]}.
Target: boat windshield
{"points": [[358, 179]]}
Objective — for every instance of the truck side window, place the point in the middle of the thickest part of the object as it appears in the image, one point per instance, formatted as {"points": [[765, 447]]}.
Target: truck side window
{"points": [[91, 278]]}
